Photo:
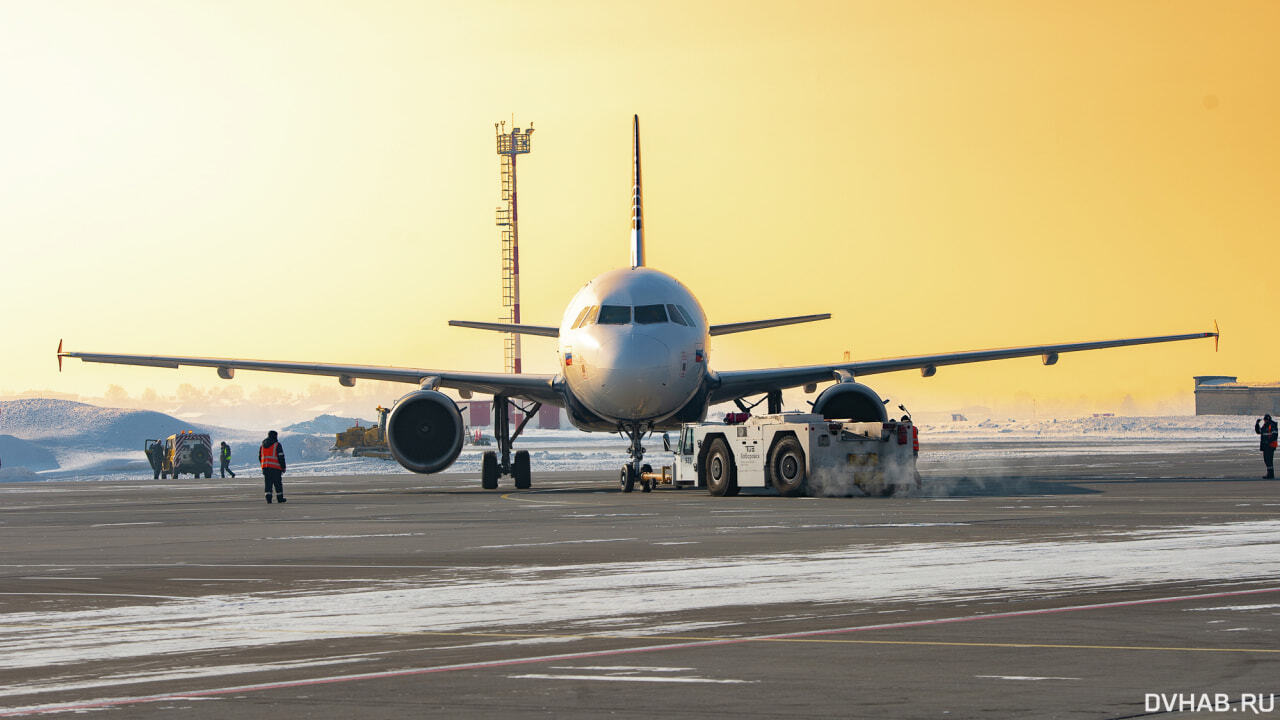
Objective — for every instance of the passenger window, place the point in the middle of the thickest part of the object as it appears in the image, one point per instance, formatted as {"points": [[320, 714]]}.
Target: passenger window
{"points": [[676, 317], [615, 314], [581, 316], [650, 314]]}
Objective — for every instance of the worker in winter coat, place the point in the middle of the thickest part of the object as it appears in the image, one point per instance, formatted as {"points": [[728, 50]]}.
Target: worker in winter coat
{"points": [[225, 454], [271, 456], [1266, 428]]}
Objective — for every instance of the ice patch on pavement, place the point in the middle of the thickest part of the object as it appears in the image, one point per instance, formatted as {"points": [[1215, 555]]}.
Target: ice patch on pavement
{"points": [[622, 595]]}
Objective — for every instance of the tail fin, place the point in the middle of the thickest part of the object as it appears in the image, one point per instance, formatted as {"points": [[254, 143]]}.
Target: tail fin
{"points": [[637, 209]]}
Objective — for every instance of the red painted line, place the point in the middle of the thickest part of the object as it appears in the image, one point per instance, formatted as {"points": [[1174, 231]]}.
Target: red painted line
{"points": [[116, 702]]}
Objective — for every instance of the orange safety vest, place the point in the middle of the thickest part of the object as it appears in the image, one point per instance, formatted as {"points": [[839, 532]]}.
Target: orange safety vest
{"points": [[267, 456]]}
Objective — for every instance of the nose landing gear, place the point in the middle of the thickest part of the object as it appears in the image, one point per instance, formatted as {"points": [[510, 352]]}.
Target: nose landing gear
{"points": [[636, 470]]}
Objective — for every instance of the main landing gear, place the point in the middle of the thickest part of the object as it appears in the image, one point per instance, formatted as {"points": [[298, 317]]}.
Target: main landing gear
{"points": [[496, 464], [635, 471]]}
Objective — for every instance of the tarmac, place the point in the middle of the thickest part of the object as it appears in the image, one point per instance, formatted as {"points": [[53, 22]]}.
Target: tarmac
{"points": [[1024, 580]]}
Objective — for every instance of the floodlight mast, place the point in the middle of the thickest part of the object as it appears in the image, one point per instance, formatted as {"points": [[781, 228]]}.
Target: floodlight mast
{"points": [[510, 144]]}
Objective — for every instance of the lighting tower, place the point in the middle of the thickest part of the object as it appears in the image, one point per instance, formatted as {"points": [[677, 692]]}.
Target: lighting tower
{"points": [[510, 144]]}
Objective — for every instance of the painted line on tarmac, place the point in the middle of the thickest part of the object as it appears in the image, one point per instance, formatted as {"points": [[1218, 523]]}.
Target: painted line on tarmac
{"points": [[1049, 646], [614, 652], [512, 496]]}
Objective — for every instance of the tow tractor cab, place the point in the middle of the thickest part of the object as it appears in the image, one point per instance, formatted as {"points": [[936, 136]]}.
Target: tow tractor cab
{"points": [[795, 453]]}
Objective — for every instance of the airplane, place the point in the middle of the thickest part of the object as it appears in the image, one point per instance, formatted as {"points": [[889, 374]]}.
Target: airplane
{"points": [[634, 357]]}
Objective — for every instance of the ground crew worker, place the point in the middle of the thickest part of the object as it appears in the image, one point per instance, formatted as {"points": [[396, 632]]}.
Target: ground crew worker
{"points": [[226, 459], [1266, 428], [155, 456], [271, 456]]}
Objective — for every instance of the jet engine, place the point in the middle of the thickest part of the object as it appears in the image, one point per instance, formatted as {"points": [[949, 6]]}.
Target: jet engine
{"points": [[850, 401], [425, 431]]}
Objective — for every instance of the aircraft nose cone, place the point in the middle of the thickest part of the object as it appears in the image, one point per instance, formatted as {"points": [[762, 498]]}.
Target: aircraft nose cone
{"points": [[637, 372]]}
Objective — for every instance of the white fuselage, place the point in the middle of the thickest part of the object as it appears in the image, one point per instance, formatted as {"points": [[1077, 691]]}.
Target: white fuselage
{"points": [[633, 345]]}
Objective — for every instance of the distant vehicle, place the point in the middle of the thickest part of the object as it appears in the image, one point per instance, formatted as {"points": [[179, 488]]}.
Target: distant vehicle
{"points": [[634, 357], [794, 453], [187, 452], [365, 441]]}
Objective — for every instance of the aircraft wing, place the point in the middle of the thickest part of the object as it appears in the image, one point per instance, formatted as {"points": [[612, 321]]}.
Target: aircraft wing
{"points": [[728, 385], [543, 330], [727, 328], [526, 386]]}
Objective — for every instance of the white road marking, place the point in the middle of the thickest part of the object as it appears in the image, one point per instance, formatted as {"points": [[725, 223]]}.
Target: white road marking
{"points": [[621, 667], [1023, 677], [630, 678], [221, 579], [343, 537], [123, 524], [557, 542], [58, 577]]}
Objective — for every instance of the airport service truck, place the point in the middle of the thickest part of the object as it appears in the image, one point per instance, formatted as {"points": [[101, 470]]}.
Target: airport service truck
{"points": [[795, 453]]}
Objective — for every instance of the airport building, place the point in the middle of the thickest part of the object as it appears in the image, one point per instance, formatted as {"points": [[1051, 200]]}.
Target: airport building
{"points": [[1222, 395]]}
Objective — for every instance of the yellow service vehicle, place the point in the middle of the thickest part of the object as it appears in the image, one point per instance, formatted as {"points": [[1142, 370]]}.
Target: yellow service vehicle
{"points": [[187, 452], [365, 441]]}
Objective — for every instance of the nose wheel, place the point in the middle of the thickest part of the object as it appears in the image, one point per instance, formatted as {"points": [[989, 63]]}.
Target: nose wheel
{"points": [[634, 472]]}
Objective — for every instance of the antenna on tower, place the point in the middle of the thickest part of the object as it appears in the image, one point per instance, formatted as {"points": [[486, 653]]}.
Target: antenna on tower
{"points": [[510, 144]]}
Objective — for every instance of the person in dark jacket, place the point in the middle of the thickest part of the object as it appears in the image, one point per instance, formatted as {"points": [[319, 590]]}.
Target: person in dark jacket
{"points": [[1266, 428], [225, 454], [271, 456]]}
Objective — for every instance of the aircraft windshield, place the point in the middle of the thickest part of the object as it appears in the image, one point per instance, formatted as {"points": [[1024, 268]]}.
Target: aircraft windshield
{"points": [[676, 316], [614, 315], [650, 314]]}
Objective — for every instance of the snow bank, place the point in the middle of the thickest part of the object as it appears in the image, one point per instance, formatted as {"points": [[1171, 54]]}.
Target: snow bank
{"points": [[16, 453], [1214, 428]]}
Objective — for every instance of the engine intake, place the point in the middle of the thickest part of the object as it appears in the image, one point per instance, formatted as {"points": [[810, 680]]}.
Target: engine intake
{"points": [[850, 401], [425, 431]]}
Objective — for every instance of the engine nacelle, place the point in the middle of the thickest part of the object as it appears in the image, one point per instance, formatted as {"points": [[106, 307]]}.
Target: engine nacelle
{"points": [[425, 431], [850, 401]]}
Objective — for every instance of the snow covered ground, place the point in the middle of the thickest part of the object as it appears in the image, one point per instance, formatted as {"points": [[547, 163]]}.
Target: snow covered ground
{"points": [[105, 444]]}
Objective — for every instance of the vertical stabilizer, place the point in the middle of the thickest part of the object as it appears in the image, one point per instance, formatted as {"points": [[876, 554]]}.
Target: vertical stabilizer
{"points": [[637, 209]]}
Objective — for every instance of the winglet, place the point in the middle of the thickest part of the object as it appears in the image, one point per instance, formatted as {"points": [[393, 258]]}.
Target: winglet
{"points": [[1216, 335], [59, 354], [637, 208]]}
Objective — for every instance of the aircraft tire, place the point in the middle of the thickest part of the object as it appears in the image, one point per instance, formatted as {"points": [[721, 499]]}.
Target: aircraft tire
{"points": [[489, 471], [787, 467], [626, 479], [719, 471], [520, 470]]}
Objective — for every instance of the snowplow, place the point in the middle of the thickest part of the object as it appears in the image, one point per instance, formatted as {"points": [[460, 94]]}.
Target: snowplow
{"points": [[365, 441]]}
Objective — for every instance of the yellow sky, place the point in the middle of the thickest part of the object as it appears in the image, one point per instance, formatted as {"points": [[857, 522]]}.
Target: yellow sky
{"points": [[317, 181]]}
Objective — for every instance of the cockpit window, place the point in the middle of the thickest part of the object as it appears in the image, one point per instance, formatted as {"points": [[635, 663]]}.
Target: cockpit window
{"points": [[676, 317], [650, 314], [614, 315], [581, 316], [688, 317]]}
